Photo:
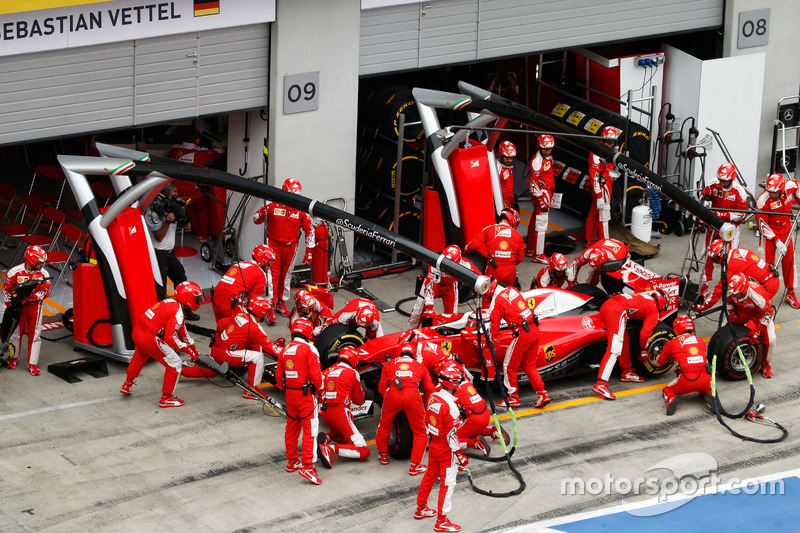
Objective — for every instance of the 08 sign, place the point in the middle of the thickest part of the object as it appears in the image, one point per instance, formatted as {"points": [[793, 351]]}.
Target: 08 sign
{"points": [[300, 92], [753, 28]]}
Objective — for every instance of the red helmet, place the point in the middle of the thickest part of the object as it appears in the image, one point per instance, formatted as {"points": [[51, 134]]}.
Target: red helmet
{"points": [[558, 262], [715, 250], [661, 299], [507, 149], [511, 216], [407, 349], [683, 324], [738, 285], [35, 255], [292, 185], [365, 316], [597, 258], [259, 306], [450, 377], [546, 142], [453, 253], [263, 255], [304, 301], [609, 133], [189, 294], [775, 183], [726, 173], [349, 355], [302, 326]]}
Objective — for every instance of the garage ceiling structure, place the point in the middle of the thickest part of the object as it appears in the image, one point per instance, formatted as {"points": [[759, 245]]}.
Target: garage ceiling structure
{"points": [[446, 32], [133, 83]]}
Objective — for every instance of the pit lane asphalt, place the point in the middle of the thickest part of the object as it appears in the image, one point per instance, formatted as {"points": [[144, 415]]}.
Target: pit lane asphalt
{"points": [[81, 457]]}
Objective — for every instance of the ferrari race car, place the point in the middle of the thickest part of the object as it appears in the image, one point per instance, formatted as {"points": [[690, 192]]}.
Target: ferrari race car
{"points": [[572, 338]]}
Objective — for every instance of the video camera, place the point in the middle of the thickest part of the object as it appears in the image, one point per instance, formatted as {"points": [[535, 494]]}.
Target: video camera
{"points": [[163, 205]]}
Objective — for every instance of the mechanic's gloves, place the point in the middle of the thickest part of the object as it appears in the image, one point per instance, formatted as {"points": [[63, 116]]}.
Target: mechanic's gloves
{"points": [[308, 258], [753, 338], [261, 215], [462, 459], [192, 351], [699, 308], [780, 247], [644, 355]]}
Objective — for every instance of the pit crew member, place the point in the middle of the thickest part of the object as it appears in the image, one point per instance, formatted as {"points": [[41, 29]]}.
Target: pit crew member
{"points": [[748, 305], [242, 282], [541, 185], [502, 245], [360, 313], [506, 151], [553, 275], [601, 181], [308, 306], [595, 255], [689, 353]]}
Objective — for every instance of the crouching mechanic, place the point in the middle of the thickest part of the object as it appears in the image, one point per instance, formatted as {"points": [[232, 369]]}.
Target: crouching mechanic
{"points": [[689, 353], [239, 340], [30, 314], [341, 388], [748, 304], [399, 385], [444, 454], [602, 251], [553, 275], [243, 281], [360, 312], [437, 284], [474, 411], [161, 334], [308, 306], [615, 313], [510, 305], [299, 375]]}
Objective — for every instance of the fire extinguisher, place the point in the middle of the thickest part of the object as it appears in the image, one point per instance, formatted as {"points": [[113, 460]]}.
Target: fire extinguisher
{"points": [[320, 255]]}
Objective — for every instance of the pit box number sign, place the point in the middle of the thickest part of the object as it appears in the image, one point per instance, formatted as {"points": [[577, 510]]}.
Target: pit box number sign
{"points": [[300, 92]]}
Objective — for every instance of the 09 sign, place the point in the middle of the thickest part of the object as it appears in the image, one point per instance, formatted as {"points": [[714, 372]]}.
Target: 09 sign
{"points": [[753, 28], [300, 92]]}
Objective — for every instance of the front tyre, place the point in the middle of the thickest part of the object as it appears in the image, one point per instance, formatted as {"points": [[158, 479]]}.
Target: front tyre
{"points": [[660, 336], [331, 339], [401, 439]]}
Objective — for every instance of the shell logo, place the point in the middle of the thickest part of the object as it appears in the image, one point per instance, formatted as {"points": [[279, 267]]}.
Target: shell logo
{"points": [[232, 271], [432, 421], [471, 390], [549, 353], [404, 366], [289, 364], [522, 305], [693, 350], [503, 245], [155, 306], [230, 328], [331, 385]]}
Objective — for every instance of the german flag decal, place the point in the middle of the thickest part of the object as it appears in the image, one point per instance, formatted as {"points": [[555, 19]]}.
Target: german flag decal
{"points": [[205, 7]]}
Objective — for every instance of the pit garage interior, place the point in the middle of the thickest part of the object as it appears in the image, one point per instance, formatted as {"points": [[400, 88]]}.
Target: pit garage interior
{"points": [[672, 75]]}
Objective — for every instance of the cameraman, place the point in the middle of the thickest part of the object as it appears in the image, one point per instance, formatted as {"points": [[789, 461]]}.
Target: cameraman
{"points": [[161, 221]]}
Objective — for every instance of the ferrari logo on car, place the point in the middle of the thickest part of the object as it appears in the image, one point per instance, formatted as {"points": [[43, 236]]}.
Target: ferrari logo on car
{"points": [[531, 303], [549, 353], [447, 346]]}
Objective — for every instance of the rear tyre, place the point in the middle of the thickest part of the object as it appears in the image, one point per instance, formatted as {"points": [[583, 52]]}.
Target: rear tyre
{"points": [[401, 439], [661, 335], [724, 344], [331, 339]]}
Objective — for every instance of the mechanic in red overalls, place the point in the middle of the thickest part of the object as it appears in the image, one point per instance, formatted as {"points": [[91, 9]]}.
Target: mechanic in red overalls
{"points": [[308, 306], [542, 186], [284, 225], [506, 152], [437, 284], [160, 334], [30, 318], [474, 409], [298, 373], [725, 193], [510, 305], [776, 230], [615, 313], [342, 388], [601, 181], [444, 455], [748, 305], [242, 282], [595, 255], [240, 341], [553, 275], [503, 247], [689, 353], [399, 384], [741, 261], [363, 313]]}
